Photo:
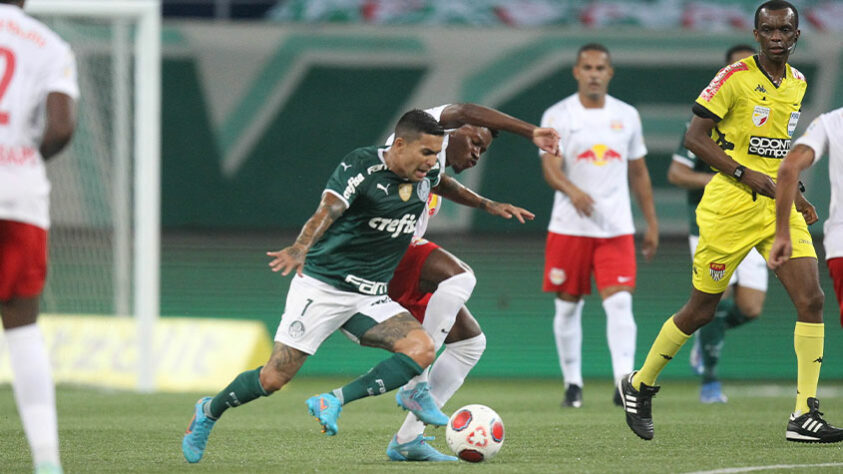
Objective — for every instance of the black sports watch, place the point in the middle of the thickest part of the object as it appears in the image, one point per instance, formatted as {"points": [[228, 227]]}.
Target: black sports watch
{"points": [[739, 171]]}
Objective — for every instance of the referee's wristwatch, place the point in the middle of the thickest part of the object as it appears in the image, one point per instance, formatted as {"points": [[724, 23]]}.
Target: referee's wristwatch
{"points": [[739, 172]]}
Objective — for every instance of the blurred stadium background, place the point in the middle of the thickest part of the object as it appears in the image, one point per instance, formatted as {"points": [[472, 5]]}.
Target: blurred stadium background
{"points": [[260, 99]]}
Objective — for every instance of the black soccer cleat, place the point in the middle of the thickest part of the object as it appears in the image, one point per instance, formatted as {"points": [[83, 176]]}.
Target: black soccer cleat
{"points": [[638, 405], [811, 428], [573, 396]]}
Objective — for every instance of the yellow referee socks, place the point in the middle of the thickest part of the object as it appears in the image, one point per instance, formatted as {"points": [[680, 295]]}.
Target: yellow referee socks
{"points": [[808, 343], [666, 345]]}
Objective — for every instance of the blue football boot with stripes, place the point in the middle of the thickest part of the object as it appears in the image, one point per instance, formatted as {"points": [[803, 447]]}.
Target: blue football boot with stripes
{"points": [[416, 450], [419, 401], [196, 436], [326, 408], [811, 428]]}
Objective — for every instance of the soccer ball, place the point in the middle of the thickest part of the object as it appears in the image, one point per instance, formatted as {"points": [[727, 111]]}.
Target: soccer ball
{"points": [[475, 433]]}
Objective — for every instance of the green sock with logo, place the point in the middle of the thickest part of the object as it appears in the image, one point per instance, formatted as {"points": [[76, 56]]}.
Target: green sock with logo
{"points": [[389, 374], [711, 340], [243, 389]]}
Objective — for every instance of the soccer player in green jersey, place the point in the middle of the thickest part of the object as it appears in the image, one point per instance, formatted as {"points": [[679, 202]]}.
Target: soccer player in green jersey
{"points": [[741, 127], [342, 261]]}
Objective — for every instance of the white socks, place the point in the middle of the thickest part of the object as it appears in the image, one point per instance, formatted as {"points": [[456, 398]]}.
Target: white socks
{"points": [[442, 309], [34, 391], [446, 376], [567, 329], [620, 332]]}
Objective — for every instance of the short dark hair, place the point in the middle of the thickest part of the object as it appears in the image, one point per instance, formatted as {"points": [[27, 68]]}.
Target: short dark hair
{"points": [[774, 5], [593, 47], [734, 49], [417, 122]]}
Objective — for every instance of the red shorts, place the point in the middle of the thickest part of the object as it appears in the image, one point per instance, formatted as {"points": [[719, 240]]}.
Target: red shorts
{"points": [[404, 286], [23, 260], [570, 259], [835, 269]]}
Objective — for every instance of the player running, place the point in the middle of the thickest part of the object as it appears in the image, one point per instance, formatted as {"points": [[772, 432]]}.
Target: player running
{"points": [[434, 285], [742, 127], [37, 118]]}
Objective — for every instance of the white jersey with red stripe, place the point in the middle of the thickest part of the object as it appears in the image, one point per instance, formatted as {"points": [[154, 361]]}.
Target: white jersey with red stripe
{"points": [[34, 61], [824, 135], [434, 201], [596, 145]]}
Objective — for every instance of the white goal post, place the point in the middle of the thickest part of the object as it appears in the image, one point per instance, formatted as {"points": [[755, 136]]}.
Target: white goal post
{"points": [[136, 139]]}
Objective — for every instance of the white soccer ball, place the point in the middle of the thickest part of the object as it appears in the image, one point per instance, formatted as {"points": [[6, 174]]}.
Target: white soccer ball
{"points": [[475, 433]]}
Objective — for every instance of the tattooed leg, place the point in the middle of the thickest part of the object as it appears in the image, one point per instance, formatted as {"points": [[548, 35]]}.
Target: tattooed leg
{"points": [[283, 364], [413, 349]]}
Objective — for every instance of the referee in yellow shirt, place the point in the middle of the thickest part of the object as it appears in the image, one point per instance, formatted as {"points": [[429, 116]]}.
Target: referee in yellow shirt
{"points": [[742, 126]]}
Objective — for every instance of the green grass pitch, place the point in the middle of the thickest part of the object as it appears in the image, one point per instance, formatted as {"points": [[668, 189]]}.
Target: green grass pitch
{"points": [[104, 431]]}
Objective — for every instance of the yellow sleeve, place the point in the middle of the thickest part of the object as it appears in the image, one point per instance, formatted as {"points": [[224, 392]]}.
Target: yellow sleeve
{"points": [[719, 97]]}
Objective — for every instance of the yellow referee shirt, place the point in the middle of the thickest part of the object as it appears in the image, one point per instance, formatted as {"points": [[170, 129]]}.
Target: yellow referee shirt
{"points": [[755, 119]]}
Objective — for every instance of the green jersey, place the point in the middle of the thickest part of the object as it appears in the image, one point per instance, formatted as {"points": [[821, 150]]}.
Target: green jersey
{"points": [[361, 249], [689, 159]]}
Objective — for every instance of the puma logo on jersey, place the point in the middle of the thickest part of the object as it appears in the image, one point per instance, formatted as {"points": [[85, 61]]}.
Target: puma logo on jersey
{"points": [[383, 188], [344, 166], [395, 227]]}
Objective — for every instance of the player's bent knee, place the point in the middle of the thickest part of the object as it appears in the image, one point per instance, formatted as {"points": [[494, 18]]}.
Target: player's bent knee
{"points": [[418, 346], [810, 303]]}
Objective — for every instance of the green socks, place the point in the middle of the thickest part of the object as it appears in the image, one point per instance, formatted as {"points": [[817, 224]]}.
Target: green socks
{"points": [[243, 389], [727, 316], [389, 374]]}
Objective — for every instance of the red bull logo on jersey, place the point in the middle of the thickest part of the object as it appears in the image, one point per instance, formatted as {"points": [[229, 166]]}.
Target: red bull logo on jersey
{"points": [[717, 270], [599, 155]]}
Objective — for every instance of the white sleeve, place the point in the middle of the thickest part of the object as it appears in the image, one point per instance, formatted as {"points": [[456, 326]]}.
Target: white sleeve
{"points": [[551, 119], [436, 112], [637, 149], [60, 73], [816, 137]]}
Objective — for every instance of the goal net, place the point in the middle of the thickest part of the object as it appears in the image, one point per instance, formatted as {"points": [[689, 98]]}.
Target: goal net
{"points": [[104, 237]]}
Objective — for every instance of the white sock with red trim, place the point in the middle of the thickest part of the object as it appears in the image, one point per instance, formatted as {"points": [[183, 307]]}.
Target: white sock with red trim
{"points": [[34, 391]]}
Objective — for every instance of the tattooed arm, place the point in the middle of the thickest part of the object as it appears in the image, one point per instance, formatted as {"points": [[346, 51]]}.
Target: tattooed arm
{"points": [[292, 257]]}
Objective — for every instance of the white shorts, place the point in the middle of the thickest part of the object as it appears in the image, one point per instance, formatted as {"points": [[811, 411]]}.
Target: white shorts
{"points": [[751, 273], [315, 309]]}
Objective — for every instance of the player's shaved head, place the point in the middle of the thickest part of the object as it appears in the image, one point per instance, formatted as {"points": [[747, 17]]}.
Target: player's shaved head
{"points": [[416, 122], [774, 5], [594, 47]]}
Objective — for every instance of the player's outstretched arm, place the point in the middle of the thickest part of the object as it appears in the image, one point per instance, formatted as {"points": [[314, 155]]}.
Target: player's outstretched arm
{"points": [[556, 178], [457, 115], [453, 190], [798, 159], [60, 123], [292, 258], [698, 140], [642, 188]]}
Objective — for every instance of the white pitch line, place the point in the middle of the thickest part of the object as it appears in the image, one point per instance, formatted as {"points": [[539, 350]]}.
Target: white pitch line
{"points": [[730, 470]]}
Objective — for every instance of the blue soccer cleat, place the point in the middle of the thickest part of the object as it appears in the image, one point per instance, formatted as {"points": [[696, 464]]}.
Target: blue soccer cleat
{"points": [[326, 408], [48, 468], [416, 450], [712, 392], [419, 401], [196, 436]]}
